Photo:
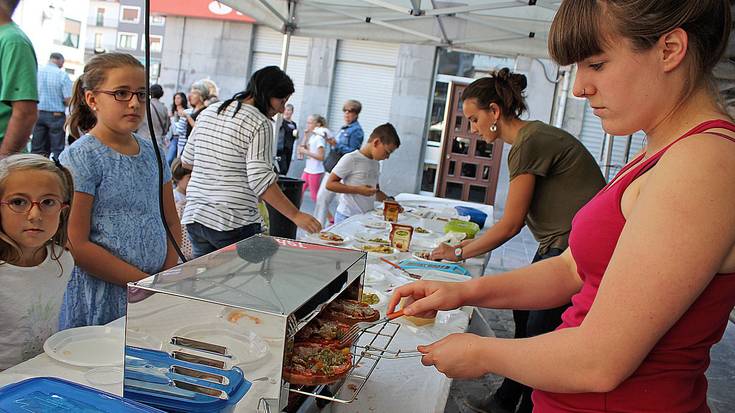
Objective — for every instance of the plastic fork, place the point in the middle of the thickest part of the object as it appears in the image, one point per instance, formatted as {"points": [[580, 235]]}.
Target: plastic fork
{"points": [[358, 328]]}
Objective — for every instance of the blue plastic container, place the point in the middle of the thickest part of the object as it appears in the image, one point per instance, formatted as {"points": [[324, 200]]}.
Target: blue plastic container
{"points": [[476, 216], [52, 395]]}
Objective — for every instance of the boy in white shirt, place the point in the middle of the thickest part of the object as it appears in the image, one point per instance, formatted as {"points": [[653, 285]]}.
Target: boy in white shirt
{"points": [[357, 174]]}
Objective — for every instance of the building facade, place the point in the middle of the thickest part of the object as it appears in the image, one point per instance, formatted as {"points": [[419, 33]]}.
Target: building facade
{"points": [[56, 26]]}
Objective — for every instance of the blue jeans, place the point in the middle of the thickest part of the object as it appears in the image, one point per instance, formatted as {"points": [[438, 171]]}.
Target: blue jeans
{"points": [[205, 240], [171, 151], [48, 134]]}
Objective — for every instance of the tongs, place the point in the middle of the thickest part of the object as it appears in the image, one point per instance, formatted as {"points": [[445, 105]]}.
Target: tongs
{"points": [[358, 328]]}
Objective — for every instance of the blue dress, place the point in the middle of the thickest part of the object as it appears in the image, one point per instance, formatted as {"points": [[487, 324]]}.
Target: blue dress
{"points": [[125, 221]]}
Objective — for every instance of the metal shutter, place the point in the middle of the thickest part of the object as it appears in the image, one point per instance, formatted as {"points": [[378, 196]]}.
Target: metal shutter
{"points": [[364, 71], [267, 52], [593, 136]]}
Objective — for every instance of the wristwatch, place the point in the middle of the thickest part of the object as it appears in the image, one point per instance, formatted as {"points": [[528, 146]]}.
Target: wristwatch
{"points": [[458, 253]]}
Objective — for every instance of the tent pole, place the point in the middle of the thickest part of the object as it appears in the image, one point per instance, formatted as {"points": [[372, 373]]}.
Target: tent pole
{"points": [[284, 50]]}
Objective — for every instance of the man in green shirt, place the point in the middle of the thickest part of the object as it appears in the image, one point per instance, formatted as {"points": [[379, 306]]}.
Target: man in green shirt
{"points": [[18, 91]]}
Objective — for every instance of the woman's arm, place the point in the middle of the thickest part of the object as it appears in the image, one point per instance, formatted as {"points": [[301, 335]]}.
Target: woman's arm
{"points": [[546, 284], [520, 194], [92, 257], [679, 233], [173, 224]]}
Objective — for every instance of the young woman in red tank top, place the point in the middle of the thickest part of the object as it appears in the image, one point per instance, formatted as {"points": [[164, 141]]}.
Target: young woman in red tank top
{"points": [[650, 267]]}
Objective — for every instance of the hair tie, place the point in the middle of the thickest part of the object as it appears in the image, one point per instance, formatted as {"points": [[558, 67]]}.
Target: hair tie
{"points": [[56, 162]]}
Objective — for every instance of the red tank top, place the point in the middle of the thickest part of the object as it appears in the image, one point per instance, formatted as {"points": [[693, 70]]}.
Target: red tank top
{"points": [[671, 378]]}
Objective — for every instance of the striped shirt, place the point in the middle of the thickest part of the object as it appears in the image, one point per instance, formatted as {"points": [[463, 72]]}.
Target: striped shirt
{"points": [[233, 166], [54, 86]]}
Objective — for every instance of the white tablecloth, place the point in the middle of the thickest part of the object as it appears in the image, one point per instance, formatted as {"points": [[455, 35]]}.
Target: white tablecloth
{"points": [[402, 385]]}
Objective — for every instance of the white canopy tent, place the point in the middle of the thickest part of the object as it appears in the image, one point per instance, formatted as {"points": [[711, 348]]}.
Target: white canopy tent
{"points": [[499, 27]]}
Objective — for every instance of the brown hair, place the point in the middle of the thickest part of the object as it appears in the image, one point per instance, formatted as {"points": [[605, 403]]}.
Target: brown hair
{"points": [[386, 134], [9, 251], [81, 117], [504, 88], [579, 29], [178, 172]]}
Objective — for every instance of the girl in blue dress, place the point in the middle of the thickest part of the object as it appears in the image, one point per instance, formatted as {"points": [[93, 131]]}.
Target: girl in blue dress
{"points": [[115, 230]]}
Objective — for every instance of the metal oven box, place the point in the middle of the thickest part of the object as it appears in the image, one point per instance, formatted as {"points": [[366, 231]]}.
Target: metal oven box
{"points": [[210, 335]]}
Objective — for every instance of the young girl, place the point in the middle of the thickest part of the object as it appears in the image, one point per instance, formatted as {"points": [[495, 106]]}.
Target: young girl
{"points": [[115, 229], [313, 150], [34, 267]]}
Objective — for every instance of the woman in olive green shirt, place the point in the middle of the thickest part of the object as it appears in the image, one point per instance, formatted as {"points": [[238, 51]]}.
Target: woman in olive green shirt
{"points": [[552, 175]]}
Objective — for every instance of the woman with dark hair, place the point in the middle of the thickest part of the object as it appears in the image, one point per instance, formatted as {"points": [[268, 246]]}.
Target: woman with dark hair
{"points": [[179, 106], [230, 152], [552, 175], [650, 268]]}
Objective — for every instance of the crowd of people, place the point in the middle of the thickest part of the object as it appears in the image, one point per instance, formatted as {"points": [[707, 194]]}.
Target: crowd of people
{"points": [[631, 285]]}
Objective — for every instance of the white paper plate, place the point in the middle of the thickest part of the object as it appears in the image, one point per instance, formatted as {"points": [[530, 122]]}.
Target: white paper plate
{"points": [[423, 234], [246, 348], [91, 346], [393, 250], [367, 237], [316, 239], [373, 277], [376, 224]]}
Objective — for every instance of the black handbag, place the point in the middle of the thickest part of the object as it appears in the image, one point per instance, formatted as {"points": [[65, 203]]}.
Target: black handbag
{"points": [[331, 160]]}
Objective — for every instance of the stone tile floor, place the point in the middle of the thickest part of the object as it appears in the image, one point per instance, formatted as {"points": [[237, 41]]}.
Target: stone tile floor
{"points": [[518, 252]]}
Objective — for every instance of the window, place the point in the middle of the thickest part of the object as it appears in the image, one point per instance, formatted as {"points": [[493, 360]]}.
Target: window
{"points": [[72, 29], [127, 41], [158, 20], [129, 14], [100, 16], [97, 41], [156, 44]]}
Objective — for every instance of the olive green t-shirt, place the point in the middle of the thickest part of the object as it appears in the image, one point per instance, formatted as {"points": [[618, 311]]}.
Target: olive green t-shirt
{"points": [[17, 71], [567, 177]]}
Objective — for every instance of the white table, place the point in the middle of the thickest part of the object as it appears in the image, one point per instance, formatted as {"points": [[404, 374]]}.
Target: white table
{"points": [[405, 385], [402, 385]]}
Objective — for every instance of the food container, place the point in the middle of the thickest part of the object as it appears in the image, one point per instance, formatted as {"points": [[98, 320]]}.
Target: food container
{"points": [[476, 216], [50, 394], [391, 210], [468, 228], [400, 236]]}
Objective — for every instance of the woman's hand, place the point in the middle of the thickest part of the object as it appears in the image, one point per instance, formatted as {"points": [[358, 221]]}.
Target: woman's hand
{"points": [[425, 298], [302, 151], [443, 252], [307, 222], [457, 355]]}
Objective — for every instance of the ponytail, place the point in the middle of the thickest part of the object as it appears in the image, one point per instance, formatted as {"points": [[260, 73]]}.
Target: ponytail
{"points": [[504, 88], [81, 118]]}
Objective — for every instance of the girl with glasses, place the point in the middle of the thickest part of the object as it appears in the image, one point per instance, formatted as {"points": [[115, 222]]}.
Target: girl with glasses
{"points": [[34, 266], [115, 231]]}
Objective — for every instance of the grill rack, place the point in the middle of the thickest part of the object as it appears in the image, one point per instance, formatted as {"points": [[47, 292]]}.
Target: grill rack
{"points": [[379, 338]]}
